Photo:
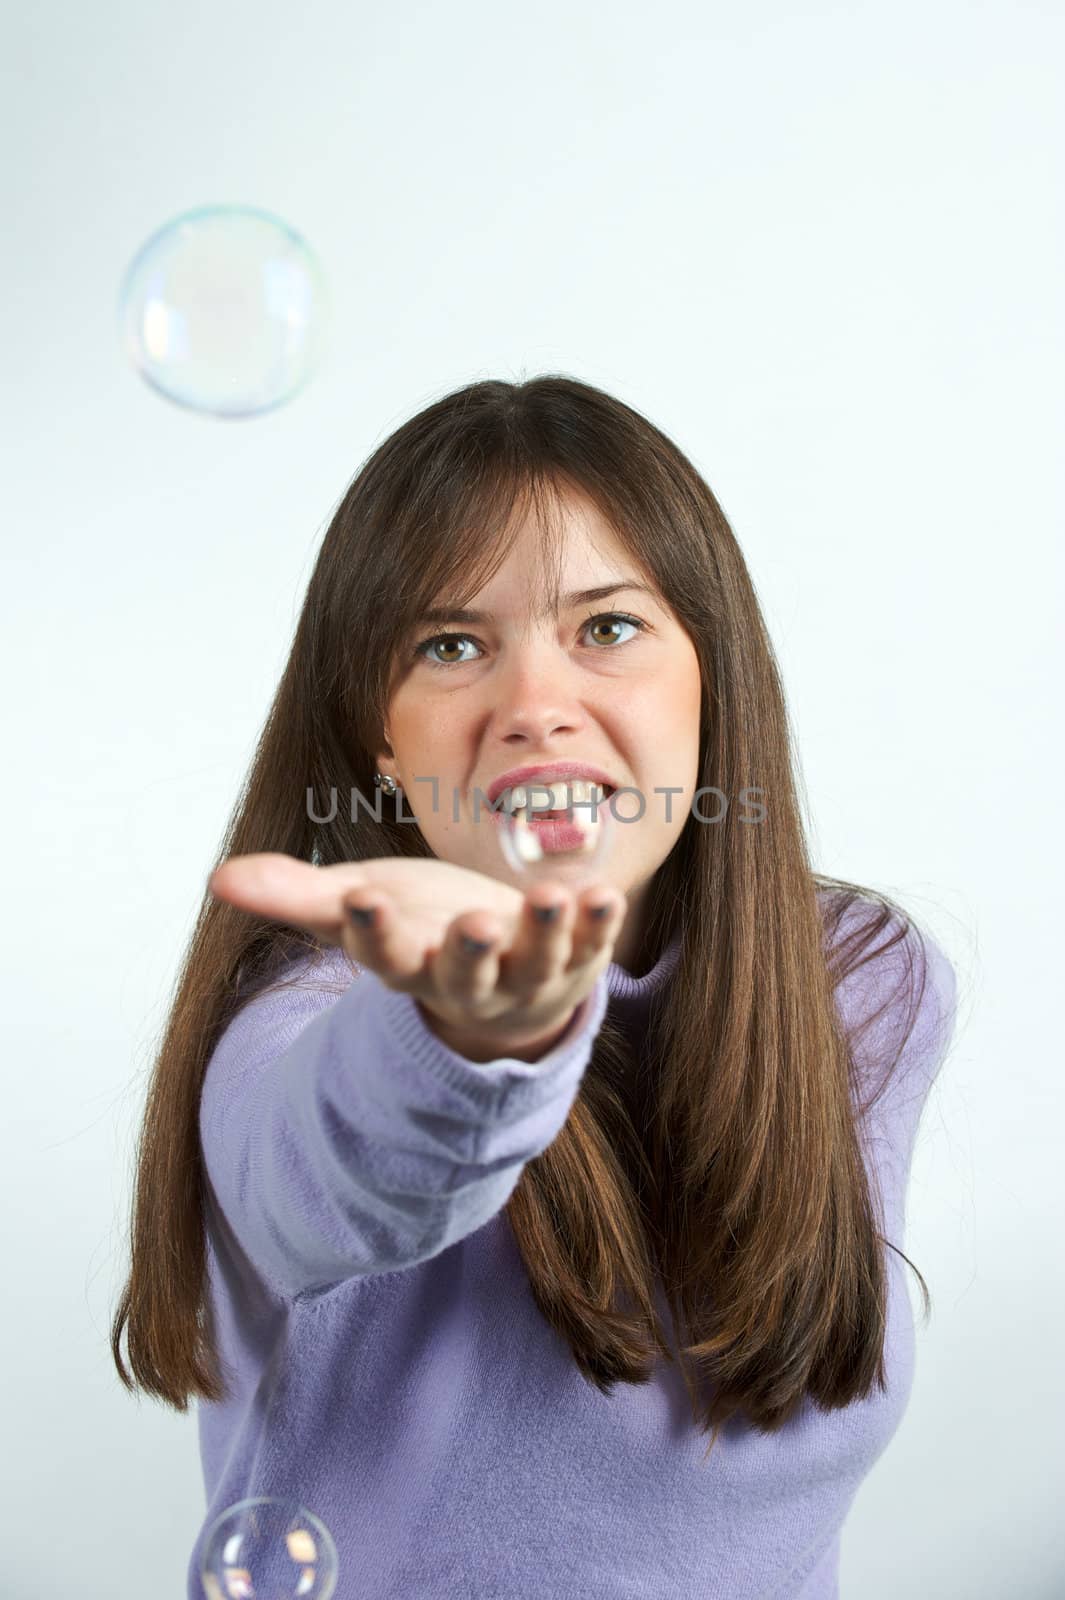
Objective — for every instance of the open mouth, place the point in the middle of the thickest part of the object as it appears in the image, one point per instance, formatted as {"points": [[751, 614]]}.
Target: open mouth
{"points": [[577, 807], [580, 808], [575, 833]]}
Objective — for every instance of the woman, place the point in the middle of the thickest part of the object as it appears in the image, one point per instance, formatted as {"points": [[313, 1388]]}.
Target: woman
{"points": [[468, 1250]]}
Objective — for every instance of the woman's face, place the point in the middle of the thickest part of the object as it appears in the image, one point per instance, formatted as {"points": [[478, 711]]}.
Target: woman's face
{"points": [[518, 688]]}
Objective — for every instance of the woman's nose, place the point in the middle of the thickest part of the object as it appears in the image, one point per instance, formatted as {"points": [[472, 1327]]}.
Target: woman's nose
{"points": [[538, 683]]}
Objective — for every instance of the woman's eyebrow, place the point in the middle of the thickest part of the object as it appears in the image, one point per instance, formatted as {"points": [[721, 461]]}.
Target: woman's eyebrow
{"points": [[580, 597]]}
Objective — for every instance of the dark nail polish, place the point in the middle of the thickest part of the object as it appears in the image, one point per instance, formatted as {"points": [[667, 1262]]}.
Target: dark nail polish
{"points": [[475, 947], [598, 912], [546, 913], [363, 916]]}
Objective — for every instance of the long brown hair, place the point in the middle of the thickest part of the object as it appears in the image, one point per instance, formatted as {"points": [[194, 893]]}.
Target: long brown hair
{"points": [[737, 1182]]}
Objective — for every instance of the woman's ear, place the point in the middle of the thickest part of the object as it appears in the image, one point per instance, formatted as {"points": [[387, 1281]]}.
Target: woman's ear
{"points": [[385, 767]]}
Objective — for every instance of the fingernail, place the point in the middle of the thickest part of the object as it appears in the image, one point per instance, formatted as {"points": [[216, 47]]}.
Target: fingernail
{"points": [[599, 912], [363, 916], [475, 947], [545, 913]]}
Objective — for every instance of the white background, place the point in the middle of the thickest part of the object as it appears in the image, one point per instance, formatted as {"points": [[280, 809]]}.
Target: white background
{"points": [[821, 247]]}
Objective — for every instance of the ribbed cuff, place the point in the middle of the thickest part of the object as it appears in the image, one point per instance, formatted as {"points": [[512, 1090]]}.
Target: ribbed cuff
{"points": [[496, 1088]]}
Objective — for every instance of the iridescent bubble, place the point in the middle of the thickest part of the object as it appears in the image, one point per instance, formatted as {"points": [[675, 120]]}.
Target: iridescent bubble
{"points": [[560, 832], [268, 1549], [223, 310]]}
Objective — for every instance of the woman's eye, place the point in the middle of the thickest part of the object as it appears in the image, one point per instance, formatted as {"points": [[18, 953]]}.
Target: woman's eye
{"points": [[449, 639], [610, 619]]}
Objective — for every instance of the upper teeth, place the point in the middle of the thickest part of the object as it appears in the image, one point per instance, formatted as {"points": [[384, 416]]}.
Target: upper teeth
{"points": [[564, 793]]}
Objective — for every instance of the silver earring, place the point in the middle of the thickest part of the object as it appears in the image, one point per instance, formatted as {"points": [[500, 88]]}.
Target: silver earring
{"points": [[386, 785]]}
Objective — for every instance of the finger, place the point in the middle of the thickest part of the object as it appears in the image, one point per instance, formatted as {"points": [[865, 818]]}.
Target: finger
{"points": [[270, 884], [465, 970], [372, 935], [600, 914], [542, 945]]}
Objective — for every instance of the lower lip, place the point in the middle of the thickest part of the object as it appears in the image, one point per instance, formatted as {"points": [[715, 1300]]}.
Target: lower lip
{"points": [[558, 833]]}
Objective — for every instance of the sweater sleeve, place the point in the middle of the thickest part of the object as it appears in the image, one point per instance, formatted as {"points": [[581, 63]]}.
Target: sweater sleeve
{"points": [[899, 1009], [341, 1138]]}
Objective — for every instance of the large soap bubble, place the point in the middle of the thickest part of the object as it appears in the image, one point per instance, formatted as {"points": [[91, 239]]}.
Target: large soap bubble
{"points": [[555, 832], [223, 310], [269, 1549]]}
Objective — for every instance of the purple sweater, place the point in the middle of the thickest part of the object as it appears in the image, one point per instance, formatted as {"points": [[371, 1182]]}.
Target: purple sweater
{"points": [[390, 1370]]}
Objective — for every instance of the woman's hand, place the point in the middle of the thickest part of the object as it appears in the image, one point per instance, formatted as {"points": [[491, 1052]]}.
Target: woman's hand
{"points": [[517, 997]]}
